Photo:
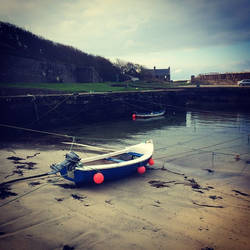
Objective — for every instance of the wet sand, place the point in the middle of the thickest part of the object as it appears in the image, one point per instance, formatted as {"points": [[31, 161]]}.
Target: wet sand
{"points": [[161, 209]]}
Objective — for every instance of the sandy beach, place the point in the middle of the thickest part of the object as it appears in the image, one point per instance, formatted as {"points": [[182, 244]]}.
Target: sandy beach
{"points": [[160, 209]]}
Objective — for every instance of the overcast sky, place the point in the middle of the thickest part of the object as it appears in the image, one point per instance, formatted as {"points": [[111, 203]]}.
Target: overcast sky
{"points": [[190, 36]]}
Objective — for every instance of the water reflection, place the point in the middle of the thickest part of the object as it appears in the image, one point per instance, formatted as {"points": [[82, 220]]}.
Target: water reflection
{"points": [[201, 144], [191, 142], [126, 132]]}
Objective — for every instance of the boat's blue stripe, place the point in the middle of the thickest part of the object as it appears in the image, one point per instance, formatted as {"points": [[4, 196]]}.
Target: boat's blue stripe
{"points": [[113, 159], [135, 154]]}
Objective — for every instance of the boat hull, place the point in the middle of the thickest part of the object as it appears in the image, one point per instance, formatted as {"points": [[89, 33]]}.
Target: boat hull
{"points": [[80, 177], [149, 115], [107, 167]]}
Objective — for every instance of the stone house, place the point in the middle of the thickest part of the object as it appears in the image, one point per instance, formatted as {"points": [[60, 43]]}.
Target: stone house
{"points": [[161, 74]]}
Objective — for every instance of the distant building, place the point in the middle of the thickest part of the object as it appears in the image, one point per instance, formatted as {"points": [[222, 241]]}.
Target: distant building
{"points": [[161, 74], [219, 78]]}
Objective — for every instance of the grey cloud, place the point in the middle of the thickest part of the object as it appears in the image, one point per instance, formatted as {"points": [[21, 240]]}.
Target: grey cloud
{"points": [[115, 28], [199, 23]]}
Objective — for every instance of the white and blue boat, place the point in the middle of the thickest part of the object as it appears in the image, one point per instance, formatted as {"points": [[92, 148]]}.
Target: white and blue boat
{"points": [[108, 166], [149, 114]]}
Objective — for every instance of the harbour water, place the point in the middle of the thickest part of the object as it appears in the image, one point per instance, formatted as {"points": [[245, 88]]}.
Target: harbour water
{"points": [[212, 145]]}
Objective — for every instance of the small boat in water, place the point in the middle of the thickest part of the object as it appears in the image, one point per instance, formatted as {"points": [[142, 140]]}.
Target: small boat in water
{"points": [[106, 167], [149, 115]]}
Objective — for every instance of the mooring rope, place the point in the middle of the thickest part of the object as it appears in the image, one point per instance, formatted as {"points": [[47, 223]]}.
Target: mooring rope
{"points": [[73, 141], [23, 178], [180, 144], [20, 196], [200, 151], [36, 131], [49, 111]]}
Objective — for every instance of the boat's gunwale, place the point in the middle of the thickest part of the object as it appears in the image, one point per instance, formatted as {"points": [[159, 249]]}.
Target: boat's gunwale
{"points": [[153, 114], [144, 157]]}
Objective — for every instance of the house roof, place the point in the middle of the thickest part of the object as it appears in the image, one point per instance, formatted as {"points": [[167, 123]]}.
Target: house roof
{"points": [[160, 72]]}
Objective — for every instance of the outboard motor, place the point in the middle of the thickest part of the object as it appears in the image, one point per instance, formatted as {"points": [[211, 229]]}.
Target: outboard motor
{"points": [[72, 160]]}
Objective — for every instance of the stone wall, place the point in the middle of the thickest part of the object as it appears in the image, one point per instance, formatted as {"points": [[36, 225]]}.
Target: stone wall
{"points": [[23, 69], [227, 78], [58, 110], [87, 74]]}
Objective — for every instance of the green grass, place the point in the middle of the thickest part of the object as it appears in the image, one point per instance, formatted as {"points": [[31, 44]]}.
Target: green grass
{"points": [[90, 87]]}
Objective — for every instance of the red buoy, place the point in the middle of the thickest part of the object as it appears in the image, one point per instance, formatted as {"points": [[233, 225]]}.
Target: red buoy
{"points": [[151, 162], [141, 170], [98, 178]]}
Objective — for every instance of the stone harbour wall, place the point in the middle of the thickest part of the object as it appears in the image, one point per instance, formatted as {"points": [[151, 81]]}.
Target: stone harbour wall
{"points": [[14, 68], [220, 78], [60, 109]]}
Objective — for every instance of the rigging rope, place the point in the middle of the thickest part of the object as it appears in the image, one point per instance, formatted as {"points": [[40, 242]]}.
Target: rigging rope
{"points": [[36, 131], [23, 178], [20, 196], [202, 147], [49, 111]]}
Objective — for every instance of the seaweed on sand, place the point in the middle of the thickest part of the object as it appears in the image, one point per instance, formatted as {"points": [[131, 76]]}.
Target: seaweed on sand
{"points": [[5, 192]]}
